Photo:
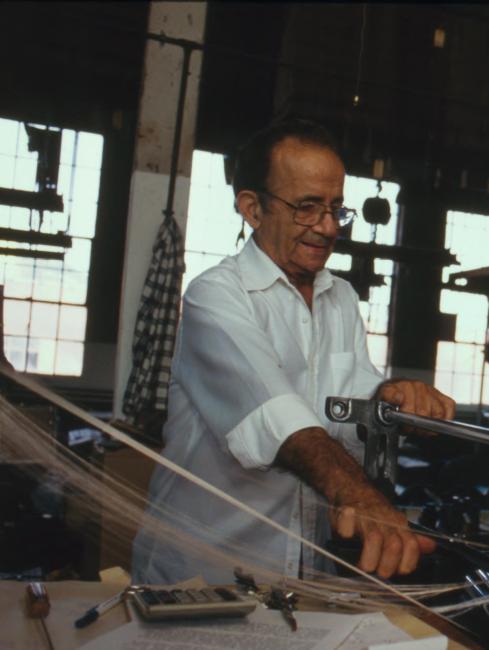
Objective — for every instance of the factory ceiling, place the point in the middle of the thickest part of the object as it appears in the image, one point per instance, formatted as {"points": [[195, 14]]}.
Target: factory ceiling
{"points": [[407, 83]]}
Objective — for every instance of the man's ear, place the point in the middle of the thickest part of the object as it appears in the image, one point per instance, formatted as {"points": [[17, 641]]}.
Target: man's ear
{"points": [[248, 205]]}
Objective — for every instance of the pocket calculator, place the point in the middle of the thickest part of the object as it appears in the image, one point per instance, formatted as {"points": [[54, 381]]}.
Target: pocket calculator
{"points": [[157, 604]]}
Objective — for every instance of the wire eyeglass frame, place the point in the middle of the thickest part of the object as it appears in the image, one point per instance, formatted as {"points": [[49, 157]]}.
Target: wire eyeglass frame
{"points": [[314, 211]]}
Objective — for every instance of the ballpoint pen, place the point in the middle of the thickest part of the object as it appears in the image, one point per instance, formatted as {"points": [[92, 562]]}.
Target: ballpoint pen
{"points": [[94, 612]]}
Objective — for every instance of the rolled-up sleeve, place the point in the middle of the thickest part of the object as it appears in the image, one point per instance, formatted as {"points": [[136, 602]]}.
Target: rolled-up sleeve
{"points": [[255, 441]]}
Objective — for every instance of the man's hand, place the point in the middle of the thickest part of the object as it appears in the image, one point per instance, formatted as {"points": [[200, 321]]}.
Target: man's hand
{"points": [[418, 398], [358, 509], [388, 547]]}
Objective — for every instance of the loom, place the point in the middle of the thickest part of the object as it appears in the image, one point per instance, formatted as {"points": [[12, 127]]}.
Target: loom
{"points": [[21, 439]]}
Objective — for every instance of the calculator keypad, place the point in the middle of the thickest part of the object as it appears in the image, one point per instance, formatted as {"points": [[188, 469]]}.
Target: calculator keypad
{"points": [[163, 604]]}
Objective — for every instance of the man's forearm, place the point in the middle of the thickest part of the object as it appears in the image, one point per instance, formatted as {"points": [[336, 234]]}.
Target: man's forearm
{"points": [[325, 465]]}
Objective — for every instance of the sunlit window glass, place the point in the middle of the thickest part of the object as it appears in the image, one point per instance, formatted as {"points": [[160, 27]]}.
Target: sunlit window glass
{"points": [[45, 300], [460, 368]]}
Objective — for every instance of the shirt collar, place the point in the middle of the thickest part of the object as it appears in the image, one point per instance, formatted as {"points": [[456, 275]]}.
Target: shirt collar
{"points": [[260, 272]]}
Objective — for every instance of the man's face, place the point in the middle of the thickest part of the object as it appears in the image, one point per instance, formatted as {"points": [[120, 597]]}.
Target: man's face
{"points": [[300, 172]]}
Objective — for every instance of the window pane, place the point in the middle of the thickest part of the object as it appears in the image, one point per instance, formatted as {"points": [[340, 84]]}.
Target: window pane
{"points": [[445, 355], [89, 150], [15, 351], [356, 191], [47, 280], [6, 171], [54, 222], [40, 356], [377, 348], [82, 219], [23, 143], [69, 358], [77, 258], [471, 311], [16, 316], [339, 262], [44, 320], [8, 137], [459, 368], [18, 277], [64, 183], [74, 287], [25, 174], [72, 322], [196, 263], [86, 185], [67, 146], [4, 213], [20, 218]]}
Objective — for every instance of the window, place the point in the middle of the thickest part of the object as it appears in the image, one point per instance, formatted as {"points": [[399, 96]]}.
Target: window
{"points": [[460, 368], [213, 227], [45, 299], [375, 311]]}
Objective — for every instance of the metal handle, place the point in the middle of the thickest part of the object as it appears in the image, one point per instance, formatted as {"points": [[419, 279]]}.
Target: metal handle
{"points": [[448, 427]]}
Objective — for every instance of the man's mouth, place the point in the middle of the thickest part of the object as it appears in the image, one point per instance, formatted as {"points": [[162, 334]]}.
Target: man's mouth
{"points": [[321, 245]]}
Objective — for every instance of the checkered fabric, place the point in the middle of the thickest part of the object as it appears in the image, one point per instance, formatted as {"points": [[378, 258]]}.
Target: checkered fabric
{"points": [[156, 326]]}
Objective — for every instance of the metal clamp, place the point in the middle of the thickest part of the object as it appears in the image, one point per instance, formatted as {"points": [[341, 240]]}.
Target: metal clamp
{"points": [[379, 435], [378, 424]]}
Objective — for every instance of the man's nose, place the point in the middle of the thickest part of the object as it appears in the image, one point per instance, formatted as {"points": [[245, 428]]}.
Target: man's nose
{"points": [[327, 225]]}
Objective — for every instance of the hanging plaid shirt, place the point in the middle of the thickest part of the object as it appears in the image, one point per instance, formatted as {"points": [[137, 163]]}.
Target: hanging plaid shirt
{"points": [[156, 325]]}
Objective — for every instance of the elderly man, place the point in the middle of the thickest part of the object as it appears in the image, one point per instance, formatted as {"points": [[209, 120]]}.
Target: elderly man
{"points": [[265, 336]]}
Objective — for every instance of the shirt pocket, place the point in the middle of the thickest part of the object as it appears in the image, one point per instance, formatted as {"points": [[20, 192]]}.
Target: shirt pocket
{"points": [[342, 366]]}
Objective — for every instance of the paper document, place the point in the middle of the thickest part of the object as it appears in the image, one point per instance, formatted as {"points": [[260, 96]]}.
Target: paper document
{"points": [[264, 629], [432, 643]]}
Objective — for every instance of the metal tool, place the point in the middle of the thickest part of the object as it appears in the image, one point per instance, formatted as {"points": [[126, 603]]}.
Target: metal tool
{"points": [[285, 603], [379, 435], [275, 598], [246, 581], [379, 426], [38, 606]]}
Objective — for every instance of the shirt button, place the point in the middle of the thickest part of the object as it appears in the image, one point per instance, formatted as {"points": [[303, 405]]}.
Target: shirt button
{"points": [[305, 319]]}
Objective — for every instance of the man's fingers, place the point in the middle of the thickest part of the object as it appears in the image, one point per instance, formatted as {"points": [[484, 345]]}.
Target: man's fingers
{"points": [[410, 554], [386, 549], [426, 544], [346, 522], [419, 398], [449, 407], [389, 551], [371, 551]]}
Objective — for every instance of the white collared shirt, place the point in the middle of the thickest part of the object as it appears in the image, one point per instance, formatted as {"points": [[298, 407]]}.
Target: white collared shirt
{"points": [[252, 365]]}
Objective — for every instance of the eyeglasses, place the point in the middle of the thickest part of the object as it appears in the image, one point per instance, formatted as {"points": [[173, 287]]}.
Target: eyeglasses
{"points": [[310, 213]]}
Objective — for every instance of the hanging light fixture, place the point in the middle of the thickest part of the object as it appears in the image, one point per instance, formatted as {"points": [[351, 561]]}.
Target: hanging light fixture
{"points": [[439, 38], [376, 210]]}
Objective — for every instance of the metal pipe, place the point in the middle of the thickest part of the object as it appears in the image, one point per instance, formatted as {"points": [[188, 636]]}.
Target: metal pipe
{"points": [[168, 211], [448, 427]]}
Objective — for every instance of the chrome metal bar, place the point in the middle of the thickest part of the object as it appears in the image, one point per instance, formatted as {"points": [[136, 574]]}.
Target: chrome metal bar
{"points": [[448, 427]]}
